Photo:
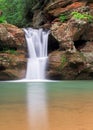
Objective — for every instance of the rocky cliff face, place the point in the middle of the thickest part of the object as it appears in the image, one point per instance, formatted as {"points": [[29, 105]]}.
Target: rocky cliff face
{"points": [[71, 47], [74, 57], [12, 52], [70, 41]]}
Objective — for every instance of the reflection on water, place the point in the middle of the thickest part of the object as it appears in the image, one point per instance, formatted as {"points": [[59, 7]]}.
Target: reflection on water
{"points": [[37, 106], [46, 106]]}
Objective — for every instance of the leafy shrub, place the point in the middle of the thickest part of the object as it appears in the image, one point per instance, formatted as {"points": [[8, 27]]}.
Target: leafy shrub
{"points": [[12, 51], [15, 11], [2, 19], [63, 18], [63, 60], [84, 16], [9, 50]]}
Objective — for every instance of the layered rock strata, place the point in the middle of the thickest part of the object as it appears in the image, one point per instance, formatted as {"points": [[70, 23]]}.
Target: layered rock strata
{"points": [[12, 52]]}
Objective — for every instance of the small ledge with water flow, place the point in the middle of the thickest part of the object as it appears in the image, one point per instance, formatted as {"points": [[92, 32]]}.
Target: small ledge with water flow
{"points": [[37, 44]]}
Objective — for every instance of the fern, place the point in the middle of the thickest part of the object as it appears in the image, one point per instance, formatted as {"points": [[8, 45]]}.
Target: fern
{"points": [[63, 18], [2, 19], [82, 16]]}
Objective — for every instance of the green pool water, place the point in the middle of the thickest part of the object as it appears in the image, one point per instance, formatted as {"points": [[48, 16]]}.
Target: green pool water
{"points": [[66, 105]]}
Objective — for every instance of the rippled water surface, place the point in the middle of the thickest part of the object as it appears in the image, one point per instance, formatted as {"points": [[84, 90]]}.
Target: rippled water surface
{"points": [[66, 105]]}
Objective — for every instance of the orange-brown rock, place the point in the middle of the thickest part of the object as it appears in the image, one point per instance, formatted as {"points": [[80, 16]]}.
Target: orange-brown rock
{"points": [[68, 32], [56, 12], [66, 65], [74, 57], [12, 36], [12, 66], [12, 52], [88, 34], [87, 51]]}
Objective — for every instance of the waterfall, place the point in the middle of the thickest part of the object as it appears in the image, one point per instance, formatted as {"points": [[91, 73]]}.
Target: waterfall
{"points": [[37, 40]]}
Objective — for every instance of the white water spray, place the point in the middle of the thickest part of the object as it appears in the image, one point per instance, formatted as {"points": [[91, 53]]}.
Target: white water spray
{"points": [[37, 40]]}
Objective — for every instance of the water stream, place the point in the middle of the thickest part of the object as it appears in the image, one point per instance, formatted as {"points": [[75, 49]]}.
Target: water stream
{"points": [[37, 40]]}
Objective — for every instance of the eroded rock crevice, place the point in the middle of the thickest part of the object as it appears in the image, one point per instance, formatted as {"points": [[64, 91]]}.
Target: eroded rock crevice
{"points": [[79, 44]]}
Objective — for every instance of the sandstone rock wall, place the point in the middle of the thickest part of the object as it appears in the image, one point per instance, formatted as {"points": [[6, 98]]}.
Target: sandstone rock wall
{"points": [[12, 52], [74, 57]]}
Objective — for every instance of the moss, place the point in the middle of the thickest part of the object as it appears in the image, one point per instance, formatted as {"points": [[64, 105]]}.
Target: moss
{"points": [[8, 50], [64, 60], [12, 52], [82, 56], [63, 17], [2, 19], [76, 15], [82, 16]]}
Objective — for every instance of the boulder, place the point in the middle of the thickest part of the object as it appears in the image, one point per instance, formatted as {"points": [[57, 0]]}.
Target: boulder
{"points": [[12, 36], [68, 32], [12, 52], [68, 66]]}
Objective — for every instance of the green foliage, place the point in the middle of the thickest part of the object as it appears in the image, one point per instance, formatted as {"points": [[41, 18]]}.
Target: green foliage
{"points": [[63, 60], [15, 11], [8, 50], [82, 16], [2, 19], [12, 51], [63, 18], [76, 15]]}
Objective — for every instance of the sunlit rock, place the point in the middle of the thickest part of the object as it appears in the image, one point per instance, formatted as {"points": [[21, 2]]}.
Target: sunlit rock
{"points": [[12, 52]]}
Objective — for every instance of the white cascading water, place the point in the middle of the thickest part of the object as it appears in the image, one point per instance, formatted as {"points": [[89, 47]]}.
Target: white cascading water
{"points": [[37, 40]]}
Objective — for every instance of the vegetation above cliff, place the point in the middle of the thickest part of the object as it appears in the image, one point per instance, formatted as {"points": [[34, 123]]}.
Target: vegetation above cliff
{"points": [[76, 15], [16, 11]]}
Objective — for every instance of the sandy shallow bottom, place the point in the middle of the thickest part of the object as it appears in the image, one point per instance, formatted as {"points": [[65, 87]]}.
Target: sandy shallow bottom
{"points": [[41, 108], [67, 117]]}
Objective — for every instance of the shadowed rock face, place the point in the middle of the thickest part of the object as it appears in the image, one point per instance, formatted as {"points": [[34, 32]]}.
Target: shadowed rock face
{"points": [[12, 52]]}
